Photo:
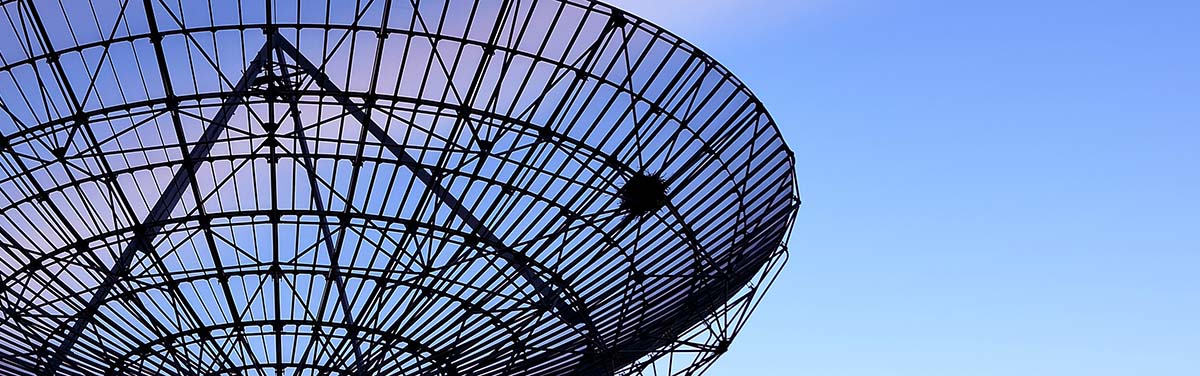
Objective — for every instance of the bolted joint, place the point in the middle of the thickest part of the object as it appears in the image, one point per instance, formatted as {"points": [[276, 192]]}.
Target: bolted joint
{"points": [[139, 230], [545, 133], [59, 152], [470, 239], [275, 271], [612, 161], [722, 346], [617, 21], [486, 146], [34, 264]]}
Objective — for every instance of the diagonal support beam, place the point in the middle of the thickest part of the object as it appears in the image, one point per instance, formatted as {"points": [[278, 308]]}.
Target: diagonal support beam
{"points": [[148, 230], [334, 251], [551, 292]]}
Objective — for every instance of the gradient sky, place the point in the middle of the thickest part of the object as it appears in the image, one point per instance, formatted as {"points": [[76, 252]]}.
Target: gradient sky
{"points": [[990, 188]]}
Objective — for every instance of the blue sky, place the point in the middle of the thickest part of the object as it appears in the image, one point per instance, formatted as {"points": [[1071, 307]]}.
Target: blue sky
{"points": [[991, 188]]}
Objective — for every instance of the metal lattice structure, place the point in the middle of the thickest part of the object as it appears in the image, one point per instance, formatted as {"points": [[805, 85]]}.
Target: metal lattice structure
{"points": [[375, 187]]}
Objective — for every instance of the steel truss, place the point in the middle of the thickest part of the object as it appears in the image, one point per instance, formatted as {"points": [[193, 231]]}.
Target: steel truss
{"points": [[384, 187]]}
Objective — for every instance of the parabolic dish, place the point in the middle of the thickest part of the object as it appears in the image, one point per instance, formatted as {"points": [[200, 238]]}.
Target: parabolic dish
{"points": [[379, 187]]}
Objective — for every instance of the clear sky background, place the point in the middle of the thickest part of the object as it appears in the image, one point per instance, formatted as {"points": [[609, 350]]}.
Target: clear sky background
{"points": [[990, 187]]}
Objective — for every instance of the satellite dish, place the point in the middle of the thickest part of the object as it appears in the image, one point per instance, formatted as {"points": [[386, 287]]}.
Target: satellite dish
{"points": [[376, 188]]}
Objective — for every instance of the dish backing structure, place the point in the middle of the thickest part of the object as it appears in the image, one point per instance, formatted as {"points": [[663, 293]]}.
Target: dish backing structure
{"points": [[375, 187]]}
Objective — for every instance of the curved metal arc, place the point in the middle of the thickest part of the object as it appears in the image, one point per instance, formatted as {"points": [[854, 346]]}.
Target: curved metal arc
{"points": [[409, 346]]}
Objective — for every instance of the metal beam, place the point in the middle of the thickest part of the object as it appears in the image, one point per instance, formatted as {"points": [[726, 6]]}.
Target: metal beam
{"points": [[550, 292], [145, 233], [333, 250]]}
